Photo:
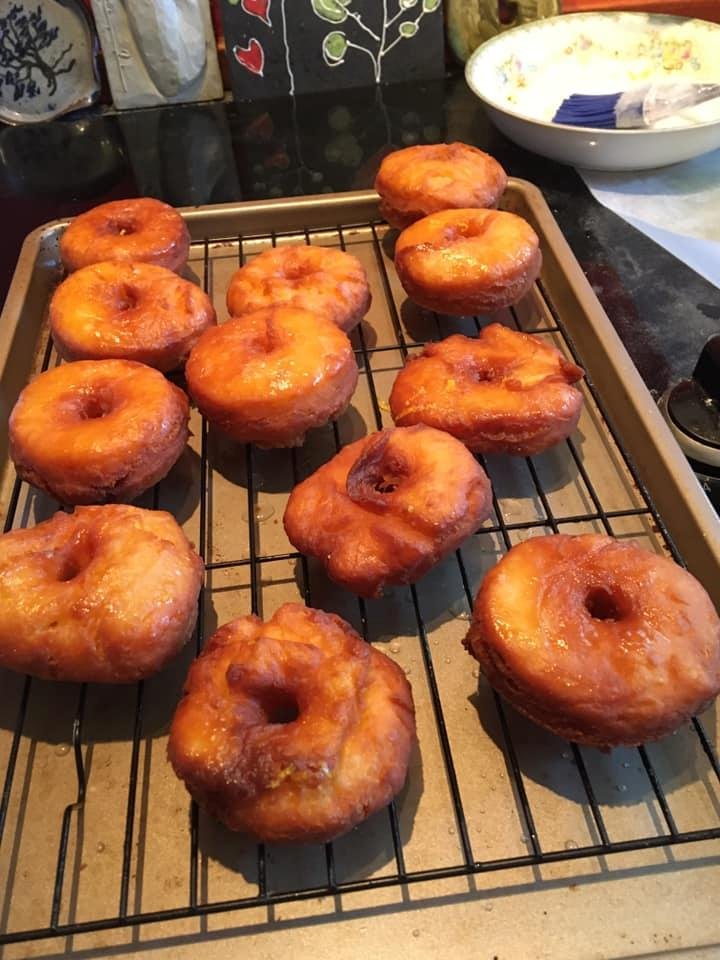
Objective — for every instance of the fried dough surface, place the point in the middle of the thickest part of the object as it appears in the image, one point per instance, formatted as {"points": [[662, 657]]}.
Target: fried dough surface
{"points": [[388, 507], [597, 639], [423, 179], [293, 730], [105, 594], [329, 283], [270, 376], [98, 431], [501, 392], [465, 262], [129, 311], [141, 229]]}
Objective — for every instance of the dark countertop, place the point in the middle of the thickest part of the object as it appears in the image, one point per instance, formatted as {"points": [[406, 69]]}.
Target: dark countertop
{"points": [[211, 153]]}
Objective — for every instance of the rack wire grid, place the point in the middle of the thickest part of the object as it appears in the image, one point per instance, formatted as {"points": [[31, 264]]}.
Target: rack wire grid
{"points": [[86, 773]]}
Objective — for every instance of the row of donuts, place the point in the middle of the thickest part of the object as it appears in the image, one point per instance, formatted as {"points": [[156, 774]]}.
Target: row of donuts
{"points": [[93, 559], [106, 594], [592, 637], [391, 505], [88, 543], [268, 377], [122, 423], [410, 496], [95, 624], [582, 634], [99, 552]]}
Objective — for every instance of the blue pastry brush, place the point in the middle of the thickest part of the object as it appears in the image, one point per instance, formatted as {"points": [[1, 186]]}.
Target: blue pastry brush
{"points": [[634, 109]]}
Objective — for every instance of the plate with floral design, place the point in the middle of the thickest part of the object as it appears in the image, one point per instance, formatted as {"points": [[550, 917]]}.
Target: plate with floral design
{"points": [[524, 74]]}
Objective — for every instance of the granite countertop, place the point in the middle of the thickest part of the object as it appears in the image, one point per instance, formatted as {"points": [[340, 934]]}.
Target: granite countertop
{"points": [[217, 152]]}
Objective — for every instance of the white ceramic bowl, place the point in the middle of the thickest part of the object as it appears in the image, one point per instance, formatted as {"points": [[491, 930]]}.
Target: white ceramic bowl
{"points": [[524, 74]]}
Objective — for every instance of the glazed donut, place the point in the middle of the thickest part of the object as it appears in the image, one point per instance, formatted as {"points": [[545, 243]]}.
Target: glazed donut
{"points": [[598, 640], [103, 595], [324, 281], [128, 311], [143, 230], [464, 262], [388, 507], [442, 176], [98, 431], [504, 392], [269, 376], [294, 730]]}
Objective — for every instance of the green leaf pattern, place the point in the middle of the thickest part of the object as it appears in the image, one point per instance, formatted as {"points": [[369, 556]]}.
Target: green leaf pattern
{"points": [[331, 10], [337, 44], [334, 48]]}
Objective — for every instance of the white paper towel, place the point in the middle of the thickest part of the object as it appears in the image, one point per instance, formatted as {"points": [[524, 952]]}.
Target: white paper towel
{"points": [[678, 206]]}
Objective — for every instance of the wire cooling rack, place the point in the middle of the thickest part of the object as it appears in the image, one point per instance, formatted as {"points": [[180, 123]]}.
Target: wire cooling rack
{"points": [[97, 833]]}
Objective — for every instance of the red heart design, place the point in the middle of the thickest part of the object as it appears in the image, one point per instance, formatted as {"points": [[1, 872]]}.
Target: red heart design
{"points": [[258, 8], [252, 57]]}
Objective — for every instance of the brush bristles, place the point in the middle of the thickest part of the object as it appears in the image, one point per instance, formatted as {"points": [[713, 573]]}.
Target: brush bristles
{"points": [[588, 110]]}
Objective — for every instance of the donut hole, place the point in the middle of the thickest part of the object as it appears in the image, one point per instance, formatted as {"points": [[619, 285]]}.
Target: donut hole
{"points": [[607, 603], [127, 297], [262, 342], [486, 375], [279, 706], [70, 567], [295, 271], [465, 230], [95, 404], [76, 558], [386, 484], [121, 226], [377, 473]]}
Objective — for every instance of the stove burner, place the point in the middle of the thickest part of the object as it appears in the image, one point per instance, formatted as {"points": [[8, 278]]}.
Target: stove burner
{"points": [[692, 409], [695, 412]]}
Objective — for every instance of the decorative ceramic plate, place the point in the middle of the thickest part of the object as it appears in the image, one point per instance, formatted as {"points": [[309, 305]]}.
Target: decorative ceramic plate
{"points": [[47, 60], [523, 76]]}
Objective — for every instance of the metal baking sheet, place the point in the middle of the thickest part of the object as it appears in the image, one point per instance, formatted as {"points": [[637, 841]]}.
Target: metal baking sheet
{"points": [[488, 792]]}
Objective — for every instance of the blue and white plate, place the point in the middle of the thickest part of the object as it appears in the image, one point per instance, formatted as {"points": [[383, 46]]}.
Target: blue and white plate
{"points": [[47, 60]]}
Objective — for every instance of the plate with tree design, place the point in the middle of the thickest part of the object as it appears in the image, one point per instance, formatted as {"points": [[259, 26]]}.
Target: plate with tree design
{"points": [[47, 60]]}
